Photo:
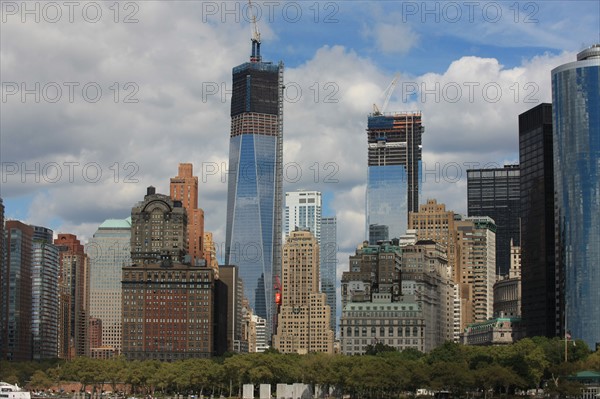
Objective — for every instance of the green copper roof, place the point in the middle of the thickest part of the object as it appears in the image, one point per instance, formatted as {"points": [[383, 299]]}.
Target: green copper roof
{"points": [[116, 224]]}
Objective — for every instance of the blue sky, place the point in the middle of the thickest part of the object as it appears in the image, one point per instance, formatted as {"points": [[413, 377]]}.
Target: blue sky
{"points": [[172, 51]]}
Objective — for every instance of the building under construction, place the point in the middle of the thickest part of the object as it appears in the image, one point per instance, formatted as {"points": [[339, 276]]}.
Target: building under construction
{"points": [[394, 169]]}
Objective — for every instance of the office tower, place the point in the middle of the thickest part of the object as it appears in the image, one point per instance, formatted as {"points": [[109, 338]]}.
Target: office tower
{"points": [[426, 277], [167, 311], [328, 250], [378, 233], [496, 193], [184, 188], [394, 170], [254, 196], [73, 287], [3, 282], [303, 210], [16, 292], [159, 230], [576, 145], [44, 298], [168, 306], [303, 324], [210, 251], [434, 222], [228, 310], [108, 250], [397, 296], [539, 278], [95, 332], [257, 334], [476, 260]]}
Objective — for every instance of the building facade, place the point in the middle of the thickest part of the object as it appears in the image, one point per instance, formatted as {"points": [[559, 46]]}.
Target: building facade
{"points": [[328, 250], [434, 222], [158, 230], [576, 145], [303, 210], [255, 181], [73, 288], [108, 250], [401, 296], [167, 311], [44, 295], [16, 292], [184, 188], [303, 323], [167, 305], [496, 193], [394, 170], [476, 261], [228, 307]]}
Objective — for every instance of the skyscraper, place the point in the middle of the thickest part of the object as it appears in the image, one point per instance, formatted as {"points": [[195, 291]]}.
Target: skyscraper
{"points": [[539, 278], [184, 188], [167, 303], [576, 134], [496, 193], [303, 325], [73, 287], [328, 249], [44, 298], [303, 210], [394, 170], [476, 254], [109, 250], [16, 293], [254, 197]]}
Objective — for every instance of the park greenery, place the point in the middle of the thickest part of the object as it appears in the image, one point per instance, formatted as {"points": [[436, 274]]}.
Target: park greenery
{"points": [[381, 373]]}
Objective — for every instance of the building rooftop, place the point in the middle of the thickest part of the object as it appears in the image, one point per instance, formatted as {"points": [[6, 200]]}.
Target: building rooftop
{"points": [[116, 224]]}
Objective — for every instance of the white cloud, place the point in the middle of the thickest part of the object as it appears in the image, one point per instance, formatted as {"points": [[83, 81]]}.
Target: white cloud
{"points": [[395, 38]]}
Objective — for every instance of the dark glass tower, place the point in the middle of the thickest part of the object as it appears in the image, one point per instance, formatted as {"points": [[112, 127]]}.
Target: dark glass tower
{"points": [[576, 121], [495, 193], [254, 197], [394, 170], [538, 270]]}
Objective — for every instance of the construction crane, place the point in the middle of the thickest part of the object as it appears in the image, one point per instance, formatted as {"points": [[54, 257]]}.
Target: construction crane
{"points": [[255, 57], [388, 94]]}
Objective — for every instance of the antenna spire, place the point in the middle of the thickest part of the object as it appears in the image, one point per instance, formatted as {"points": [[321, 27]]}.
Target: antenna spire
{"points": [[255, 57]]}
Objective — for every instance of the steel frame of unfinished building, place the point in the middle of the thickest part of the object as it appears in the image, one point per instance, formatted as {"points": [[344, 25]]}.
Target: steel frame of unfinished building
{"points": [[394, 169]]}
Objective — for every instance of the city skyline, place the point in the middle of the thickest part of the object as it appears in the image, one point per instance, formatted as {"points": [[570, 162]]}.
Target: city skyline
{"points": [[185, 118]]}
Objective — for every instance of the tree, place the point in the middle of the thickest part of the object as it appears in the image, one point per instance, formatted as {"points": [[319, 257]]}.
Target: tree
{"points": [[40, 380]]}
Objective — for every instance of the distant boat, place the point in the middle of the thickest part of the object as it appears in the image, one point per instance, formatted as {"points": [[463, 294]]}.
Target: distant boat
{"points": [[8, 391]]}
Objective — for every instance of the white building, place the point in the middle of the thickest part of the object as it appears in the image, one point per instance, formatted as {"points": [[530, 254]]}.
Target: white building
{"points": [[303, 210], [108, 251]]}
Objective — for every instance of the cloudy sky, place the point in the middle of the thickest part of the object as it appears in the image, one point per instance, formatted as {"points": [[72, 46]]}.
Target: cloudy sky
{"points": [[102, 99]]}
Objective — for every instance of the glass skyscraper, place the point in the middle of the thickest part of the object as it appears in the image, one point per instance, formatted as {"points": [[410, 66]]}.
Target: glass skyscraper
{"points": [[328, 242], [393, 178], [496, 193], [254, 197], [44, 298], [576, 121], [109, 250], [538, 268]]}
